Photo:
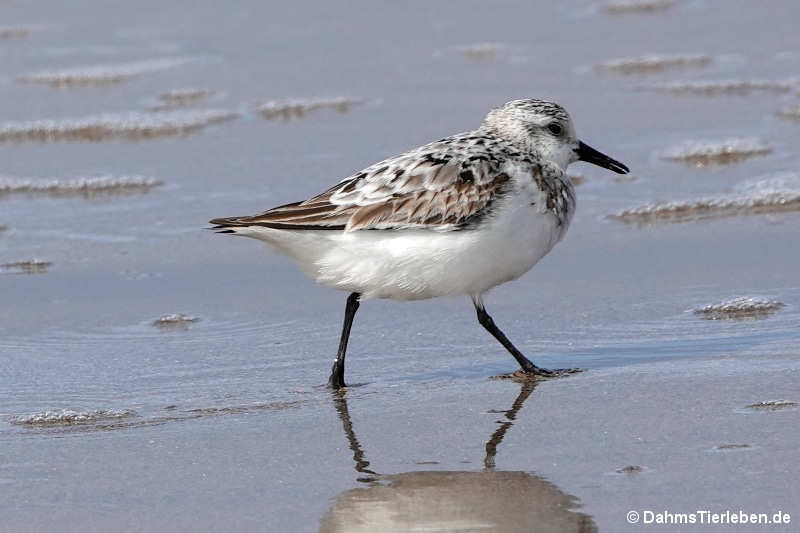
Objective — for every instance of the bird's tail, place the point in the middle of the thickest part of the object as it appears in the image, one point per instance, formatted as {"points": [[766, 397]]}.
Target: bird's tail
{"points": [[227, 225]]}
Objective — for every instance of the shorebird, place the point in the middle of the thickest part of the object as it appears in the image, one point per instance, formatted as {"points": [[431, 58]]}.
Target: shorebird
{"points": [[457, 216]]}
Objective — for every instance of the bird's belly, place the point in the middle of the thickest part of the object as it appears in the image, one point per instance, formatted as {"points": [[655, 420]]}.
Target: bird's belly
{"points": [[420, 264]]}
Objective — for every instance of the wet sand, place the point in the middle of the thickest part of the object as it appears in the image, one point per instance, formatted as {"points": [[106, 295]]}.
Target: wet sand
{"points": [[155, 376], [685, 436]]}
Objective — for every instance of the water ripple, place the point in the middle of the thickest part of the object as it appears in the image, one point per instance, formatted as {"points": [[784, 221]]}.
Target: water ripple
{"points": [[101, 74], [132, 125]]}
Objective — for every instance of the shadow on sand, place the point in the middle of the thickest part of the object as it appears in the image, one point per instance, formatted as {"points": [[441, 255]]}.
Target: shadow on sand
{"points": [[486, 500]]}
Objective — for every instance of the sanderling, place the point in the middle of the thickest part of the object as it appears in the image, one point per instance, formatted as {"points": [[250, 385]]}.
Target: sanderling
{"points": [[457, 216]]}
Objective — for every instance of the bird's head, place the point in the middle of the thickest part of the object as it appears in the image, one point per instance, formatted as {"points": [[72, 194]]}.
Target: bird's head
{"points": [[545, 129]]}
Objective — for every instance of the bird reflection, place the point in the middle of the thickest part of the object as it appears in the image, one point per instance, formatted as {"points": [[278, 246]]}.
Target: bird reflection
{"points": [[489, 499], [340, 402], [497, 437]]}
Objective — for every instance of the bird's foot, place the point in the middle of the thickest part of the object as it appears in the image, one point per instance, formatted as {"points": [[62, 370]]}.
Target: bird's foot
{"points": [[538, 374], [336, 383]]}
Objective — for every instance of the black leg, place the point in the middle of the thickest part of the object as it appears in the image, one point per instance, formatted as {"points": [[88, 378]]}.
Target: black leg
{"points": [[487, 322], [336, 381]]}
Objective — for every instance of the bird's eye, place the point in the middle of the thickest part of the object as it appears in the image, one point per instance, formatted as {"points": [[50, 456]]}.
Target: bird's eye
{"points": [[555, 128]]}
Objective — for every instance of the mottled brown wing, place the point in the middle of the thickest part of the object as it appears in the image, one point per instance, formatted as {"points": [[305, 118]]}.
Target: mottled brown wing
{"points": [[406, 192]]}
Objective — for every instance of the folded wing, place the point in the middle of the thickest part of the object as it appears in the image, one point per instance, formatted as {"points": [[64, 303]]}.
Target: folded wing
{"points": [[433, 189]]}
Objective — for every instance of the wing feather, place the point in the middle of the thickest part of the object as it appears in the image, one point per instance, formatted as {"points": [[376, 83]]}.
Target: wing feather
{"points": [[437, 186]]}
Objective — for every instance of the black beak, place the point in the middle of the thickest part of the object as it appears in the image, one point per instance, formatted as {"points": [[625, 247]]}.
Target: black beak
{"points": [[590, 155]]}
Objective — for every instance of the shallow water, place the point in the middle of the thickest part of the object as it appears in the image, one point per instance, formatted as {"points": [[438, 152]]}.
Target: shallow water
{"points": [[226, 425]]}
